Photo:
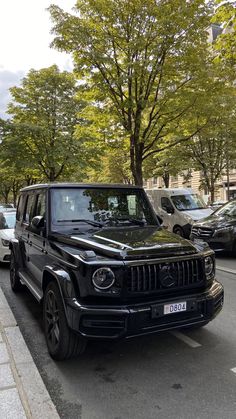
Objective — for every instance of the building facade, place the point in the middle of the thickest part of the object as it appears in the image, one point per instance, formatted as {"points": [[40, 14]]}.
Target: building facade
{"points": [[193, 182]]}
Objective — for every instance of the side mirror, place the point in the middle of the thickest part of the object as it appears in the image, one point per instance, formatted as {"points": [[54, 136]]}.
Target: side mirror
{"points": [[168, 209], [37, 222]]}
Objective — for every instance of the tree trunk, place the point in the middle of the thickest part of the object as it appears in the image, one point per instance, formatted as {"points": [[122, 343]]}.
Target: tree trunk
{"points": [[136, 150], [166, 179]]}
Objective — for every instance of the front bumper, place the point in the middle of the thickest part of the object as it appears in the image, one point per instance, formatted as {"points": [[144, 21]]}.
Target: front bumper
{"points": [[126, 321], [4, 254], [218, 242]]}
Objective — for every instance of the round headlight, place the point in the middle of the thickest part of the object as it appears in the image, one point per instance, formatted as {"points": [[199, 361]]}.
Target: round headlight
{"points": [[103, 278], [209, 266]]}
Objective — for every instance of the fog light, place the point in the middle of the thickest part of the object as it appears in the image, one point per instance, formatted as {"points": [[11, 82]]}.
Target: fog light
{"points": [[209, 266], [103, 278]]}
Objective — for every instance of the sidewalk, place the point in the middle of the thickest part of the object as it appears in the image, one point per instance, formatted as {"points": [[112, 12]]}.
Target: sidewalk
{"points": [[22, 391]]}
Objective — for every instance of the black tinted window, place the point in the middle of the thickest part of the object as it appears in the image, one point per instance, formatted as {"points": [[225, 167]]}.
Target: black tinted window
{"points": [[20, 208], [40, 205], [29, 213]]}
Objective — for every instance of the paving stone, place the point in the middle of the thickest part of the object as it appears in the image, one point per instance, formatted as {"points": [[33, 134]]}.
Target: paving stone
{"points": [[7, 318], [18, 346], [3, 354], [10, 405], [3, 301], [6, 377], [40, 403]]}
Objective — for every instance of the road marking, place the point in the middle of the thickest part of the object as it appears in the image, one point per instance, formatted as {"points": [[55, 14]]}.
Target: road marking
{"points": [[224, 269], [234, 370], [190, 342]]}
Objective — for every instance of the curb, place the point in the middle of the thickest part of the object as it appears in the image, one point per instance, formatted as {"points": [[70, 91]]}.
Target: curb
{"points": [[228, 270], [23, 394]]}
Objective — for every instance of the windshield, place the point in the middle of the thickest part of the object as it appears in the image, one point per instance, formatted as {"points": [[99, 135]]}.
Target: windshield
{"points": [[100, 207], [7, 220], [188, 202], [228, 209]]}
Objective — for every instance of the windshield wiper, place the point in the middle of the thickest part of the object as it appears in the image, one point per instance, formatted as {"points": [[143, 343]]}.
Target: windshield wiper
{"points": [[81, 220]]}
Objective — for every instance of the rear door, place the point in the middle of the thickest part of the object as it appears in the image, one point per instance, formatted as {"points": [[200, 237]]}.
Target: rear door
{"points": [[37, 241], [24, 215]]}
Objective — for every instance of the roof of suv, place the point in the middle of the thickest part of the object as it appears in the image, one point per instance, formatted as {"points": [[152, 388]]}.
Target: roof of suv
{"points": [[79, 185]]}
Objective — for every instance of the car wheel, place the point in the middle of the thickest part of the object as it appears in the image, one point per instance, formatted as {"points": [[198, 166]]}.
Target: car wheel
{"points": [[234, 249], [62, 343], [16, 285], [178, 230]]}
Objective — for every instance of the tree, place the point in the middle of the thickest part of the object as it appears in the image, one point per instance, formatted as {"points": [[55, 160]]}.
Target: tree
{"points": [[148, 59], [225, 45], [44, 115], [167, 164]]}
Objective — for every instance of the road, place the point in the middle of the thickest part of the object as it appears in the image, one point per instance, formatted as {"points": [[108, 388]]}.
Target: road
{"points": [[170, 376]]}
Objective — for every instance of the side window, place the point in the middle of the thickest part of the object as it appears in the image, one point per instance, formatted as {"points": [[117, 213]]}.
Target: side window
{"points": [[20, 208], [29, 212], [41, 205]]}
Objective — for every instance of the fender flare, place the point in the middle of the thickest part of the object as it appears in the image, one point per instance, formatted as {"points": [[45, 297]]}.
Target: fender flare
{"points": [[64, 283], [62, 278]]}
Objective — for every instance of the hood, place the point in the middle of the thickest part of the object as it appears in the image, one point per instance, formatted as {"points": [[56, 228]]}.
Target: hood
{"points": [[7, 234], [198, 214], [216, 221], [127, 243]]}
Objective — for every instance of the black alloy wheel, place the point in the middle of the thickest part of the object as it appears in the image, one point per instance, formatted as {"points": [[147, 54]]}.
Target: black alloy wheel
{"points": [[16, 285], [62, 343]]}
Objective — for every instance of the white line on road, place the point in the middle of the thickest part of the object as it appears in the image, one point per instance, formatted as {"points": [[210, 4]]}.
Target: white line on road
{"points": [[224, 269], [190, 342], [234, 370]]}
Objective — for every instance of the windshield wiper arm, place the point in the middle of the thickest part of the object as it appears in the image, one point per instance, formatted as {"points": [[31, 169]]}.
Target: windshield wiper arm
{"points": [[93, 223]]}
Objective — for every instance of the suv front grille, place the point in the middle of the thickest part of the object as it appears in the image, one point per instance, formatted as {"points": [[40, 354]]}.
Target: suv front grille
{"points": [[165, 276], [202, 232]]}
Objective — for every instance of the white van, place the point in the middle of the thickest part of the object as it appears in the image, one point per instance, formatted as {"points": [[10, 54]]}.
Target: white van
{"points": [[178, 208]]}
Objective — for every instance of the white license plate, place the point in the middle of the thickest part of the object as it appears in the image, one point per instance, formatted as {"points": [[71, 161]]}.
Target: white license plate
{"points": [[175, 307]]}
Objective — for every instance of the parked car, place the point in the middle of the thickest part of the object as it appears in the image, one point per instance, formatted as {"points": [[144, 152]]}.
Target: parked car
{"points": [[104, 268], [217, 204], [219, 229], [178, 208], [6, 207], [7, 225]]}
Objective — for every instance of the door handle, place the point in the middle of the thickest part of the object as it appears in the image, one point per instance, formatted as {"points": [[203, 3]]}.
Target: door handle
{"points": [[30, 243]]}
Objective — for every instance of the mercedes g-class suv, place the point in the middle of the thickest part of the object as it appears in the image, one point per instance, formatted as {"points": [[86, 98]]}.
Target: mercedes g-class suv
{"points": [[98, 259]]}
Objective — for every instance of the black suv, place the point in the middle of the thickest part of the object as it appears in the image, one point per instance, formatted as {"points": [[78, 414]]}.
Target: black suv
{"points": [[104, 268]]}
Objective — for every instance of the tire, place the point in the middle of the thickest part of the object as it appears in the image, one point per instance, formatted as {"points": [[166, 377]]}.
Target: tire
{"points": [[16, 285], [178, 230], [62, 343], [234, 249]]}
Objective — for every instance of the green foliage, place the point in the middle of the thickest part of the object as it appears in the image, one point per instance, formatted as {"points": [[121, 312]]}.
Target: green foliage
{"points": [[44, 114], [149, 61], [225, 45]]}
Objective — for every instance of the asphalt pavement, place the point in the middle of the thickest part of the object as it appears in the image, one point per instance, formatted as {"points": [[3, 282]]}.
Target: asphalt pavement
{"points": [[22, 391]]}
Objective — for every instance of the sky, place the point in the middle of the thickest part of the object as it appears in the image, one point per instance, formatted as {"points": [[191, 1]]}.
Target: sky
{"points": [[25, 42]]}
